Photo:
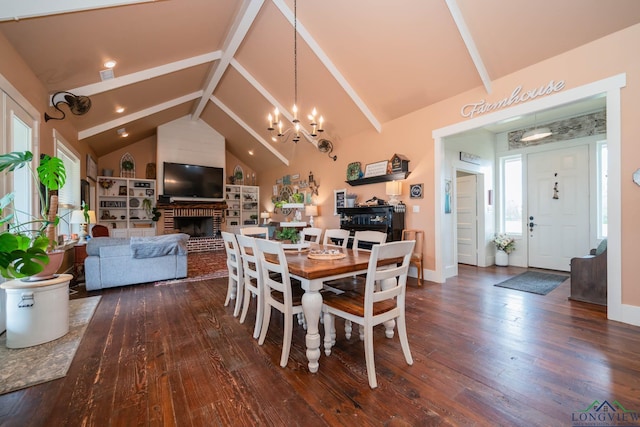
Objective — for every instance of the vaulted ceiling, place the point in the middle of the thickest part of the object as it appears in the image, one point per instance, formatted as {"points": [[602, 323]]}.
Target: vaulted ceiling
{"points": [[361, 63]]}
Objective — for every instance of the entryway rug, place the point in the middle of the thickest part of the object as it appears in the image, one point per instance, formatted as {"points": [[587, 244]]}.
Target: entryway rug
{"points": [[25, 367], [534, 282], [202, 266]]}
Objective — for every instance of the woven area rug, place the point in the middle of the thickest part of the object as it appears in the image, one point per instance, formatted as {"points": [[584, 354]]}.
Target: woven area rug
{"points": [[24, 367], [202, 266], [534, 282]]}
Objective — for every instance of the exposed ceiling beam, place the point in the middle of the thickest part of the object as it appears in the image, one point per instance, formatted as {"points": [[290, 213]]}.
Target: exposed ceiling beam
{"points": [[139, 76], [248, 128], [15, 10], [468, 41], [241, 26], [121, 121], [324, 58]]}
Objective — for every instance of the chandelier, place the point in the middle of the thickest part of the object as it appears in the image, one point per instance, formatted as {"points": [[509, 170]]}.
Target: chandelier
{"points": [[278, 133]]}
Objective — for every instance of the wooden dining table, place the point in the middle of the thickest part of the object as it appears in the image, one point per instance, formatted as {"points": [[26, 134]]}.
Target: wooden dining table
{"points": [[312, 273]]}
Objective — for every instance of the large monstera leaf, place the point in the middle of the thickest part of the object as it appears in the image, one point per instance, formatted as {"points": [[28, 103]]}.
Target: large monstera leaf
{"points": [[22, 257]]}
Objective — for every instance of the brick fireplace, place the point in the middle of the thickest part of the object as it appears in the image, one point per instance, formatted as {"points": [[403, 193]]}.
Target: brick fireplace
{"points": [[202, 221]]}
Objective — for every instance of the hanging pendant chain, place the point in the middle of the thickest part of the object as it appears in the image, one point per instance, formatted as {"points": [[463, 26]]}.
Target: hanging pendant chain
{"points": [[295, 52]]}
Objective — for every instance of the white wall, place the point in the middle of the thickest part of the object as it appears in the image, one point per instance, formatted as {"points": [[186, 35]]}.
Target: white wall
{"points": [[189, 142], [481, 144]]}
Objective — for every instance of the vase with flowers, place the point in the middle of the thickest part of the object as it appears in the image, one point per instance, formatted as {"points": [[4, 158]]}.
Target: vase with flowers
{"points": [[504, 245]]}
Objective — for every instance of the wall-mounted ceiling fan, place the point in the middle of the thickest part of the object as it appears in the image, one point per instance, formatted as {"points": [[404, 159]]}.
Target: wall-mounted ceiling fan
{"points": [[326, 146], [78, 104]]}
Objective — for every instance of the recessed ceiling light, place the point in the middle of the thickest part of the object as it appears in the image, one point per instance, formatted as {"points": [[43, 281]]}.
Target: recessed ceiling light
{"points": [[110, 63], [119, 110], [251, 152], [122, 132]]}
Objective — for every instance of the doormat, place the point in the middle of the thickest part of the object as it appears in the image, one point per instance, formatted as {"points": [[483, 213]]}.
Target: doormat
{"points": [[24, 367], [534, 282]]}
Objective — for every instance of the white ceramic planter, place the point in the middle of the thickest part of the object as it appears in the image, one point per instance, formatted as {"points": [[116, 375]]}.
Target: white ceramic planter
{"points": [[37, 312], [502, 258]]}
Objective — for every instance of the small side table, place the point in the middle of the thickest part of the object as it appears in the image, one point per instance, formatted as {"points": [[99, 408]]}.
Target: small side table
{"points": [[80, 255]]}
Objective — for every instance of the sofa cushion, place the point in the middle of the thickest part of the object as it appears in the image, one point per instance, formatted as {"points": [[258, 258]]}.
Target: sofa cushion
{"points": [[151, 247], [94, 245], [601, 247]]}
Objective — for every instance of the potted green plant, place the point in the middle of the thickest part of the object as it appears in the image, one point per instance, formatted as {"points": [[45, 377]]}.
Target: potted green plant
{"points": [[288, 234], [152, 212], [26, 248]]}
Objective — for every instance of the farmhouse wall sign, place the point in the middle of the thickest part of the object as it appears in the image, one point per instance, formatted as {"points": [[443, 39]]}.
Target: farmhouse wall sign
{"points": [[516, 97]]}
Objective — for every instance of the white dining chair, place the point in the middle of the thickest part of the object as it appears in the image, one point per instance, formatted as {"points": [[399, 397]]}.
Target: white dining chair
{"points": [[253, 282], [362, 241], [336, 236], [234, 265], [310, 234], [365, 239], [278, 292], [375, 306]]}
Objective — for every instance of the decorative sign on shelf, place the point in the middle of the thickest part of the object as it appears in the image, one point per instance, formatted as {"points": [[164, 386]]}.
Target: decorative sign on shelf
{"points": [[399, 163], [376, 169]]}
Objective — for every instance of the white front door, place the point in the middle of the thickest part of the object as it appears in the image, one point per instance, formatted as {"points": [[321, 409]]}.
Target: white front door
{"points": [[558, 207], [466, 211]]}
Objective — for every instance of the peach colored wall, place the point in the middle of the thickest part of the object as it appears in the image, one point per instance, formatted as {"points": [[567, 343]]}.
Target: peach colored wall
{"points": [[16, 71], [143, 152], [411, 135], [231, 162]]}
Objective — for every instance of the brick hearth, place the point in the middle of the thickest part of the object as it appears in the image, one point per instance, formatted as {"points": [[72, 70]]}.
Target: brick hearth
{"points": [[196, 244]]}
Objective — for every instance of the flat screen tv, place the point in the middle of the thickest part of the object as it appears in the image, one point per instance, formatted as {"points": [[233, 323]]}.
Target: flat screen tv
{"points": [[183, 181]]}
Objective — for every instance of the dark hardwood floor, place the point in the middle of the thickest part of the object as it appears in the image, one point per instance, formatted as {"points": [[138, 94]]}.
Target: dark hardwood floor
{"points": [[483, 355]]}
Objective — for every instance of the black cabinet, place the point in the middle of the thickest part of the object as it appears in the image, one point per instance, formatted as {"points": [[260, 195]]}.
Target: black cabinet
{"points": [[378, 218]]}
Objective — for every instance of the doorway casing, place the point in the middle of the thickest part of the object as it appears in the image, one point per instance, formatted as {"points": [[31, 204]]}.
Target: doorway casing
{"points": [[610, 87]]}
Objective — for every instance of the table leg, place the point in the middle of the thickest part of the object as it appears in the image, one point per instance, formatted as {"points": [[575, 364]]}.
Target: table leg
{"points": [[312, 305]]}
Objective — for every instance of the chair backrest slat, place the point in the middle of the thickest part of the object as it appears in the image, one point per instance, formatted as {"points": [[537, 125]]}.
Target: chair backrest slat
{"points": [[364, 239], [392, 278], [338, 234], [234, 261], [275, 269], [250, 262], [311, 234]]}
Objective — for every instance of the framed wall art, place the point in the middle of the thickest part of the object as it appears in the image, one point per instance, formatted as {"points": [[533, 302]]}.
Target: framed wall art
{"points": [[339, 197], [415, 191], [92, 168]]}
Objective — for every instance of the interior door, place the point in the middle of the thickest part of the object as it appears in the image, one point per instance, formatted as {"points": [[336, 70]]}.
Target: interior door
{"points": [[467, 206], [558, 204]]}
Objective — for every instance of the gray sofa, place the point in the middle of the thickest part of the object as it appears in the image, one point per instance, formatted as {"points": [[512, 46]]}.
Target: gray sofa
{"points": [[114, 261]]}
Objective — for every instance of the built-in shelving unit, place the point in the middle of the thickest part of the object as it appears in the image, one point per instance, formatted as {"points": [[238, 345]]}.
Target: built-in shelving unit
{"points": [[397, 176], [243, 202], [122, 205]]}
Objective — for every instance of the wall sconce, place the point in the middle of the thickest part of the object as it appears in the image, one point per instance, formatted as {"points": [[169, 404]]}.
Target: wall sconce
{"points": [[78, 105]]}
